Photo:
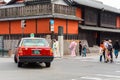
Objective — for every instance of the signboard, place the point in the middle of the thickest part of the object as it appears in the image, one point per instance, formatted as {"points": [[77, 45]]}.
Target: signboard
{"points": [[51, 25], [51, 22], [52, 28], [32, 35]]}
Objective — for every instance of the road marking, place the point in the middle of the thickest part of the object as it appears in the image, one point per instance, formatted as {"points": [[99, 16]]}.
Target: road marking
{"points": [[89, 60], [117, 63], [117, 71], [110, 76], [73, 79], [91, 78]]}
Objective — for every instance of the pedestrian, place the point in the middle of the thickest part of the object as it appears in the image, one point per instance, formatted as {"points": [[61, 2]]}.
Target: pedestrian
{"points": [[116, 48], [106, 50], [84, 50], [110, 50], [56, 48], [102, 51], [72, 48], [80, 48]]}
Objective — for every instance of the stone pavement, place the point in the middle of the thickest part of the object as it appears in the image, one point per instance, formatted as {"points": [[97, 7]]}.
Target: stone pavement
{"points": [[87, 56], [92, 57], [65, 56]]}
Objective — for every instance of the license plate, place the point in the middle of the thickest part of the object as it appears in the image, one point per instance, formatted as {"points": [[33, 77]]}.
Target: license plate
{"points": [[36, 51]]}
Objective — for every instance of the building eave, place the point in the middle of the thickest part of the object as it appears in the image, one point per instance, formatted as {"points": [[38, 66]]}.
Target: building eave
{"points": [[44, 16], [99, 29], [97, 5]]}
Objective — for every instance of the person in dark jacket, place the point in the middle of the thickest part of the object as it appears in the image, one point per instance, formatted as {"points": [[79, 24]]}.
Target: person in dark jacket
{"points": [[116, 47], [80, 48], [110, 50]]}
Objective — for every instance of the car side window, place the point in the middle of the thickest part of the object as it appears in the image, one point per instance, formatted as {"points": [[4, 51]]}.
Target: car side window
{"points": [[18, 43]]}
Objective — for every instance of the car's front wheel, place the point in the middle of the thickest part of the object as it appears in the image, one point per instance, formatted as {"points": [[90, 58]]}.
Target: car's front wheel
{"points": [[48, 64]]}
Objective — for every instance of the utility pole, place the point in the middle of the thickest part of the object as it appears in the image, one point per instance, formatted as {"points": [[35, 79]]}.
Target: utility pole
{"points": [[52, 29], [60, 40]]}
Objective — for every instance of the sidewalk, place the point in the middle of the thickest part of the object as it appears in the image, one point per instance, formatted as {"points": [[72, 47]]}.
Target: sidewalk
{"points": [[92, 56], [89, 55]]}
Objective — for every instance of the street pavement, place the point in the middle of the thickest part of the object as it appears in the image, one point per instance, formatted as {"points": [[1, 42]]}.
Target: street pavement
{"points": [[92, 57], [66, 68], [105, 71]]}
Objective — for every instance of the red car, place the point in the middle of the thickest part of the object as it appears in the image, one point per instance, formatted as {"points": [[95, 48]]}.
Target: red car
{"points": [[33, 50]]}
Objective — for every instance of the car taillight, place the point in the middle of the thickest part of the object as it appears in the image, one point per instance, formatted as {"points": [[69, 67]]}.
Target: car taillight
{"points": [[51, 52], [20, 52]]}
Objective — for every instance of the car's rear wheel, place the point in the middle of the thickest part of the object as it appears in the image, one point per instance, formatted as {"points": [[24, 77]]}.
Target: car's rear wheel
{"points": [[48, 64], [20, 64]]}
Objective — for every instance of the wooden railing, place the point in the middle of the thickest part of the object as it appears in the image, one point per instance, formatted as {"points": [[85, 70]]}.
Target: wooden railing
{"points": [[67, 10], [33, 10], [38, 1], [36, 10], [33, 2]]}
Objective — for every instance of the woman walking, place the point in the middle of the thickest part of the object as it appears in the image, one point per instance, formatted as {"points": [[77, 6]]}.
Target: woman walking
{"points": [[116, 47], [72, 48]]}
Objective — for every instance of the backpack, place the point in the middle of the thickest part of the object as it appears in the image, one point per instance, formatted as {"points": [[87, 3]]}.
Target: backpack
{"points": [[109, 47]]}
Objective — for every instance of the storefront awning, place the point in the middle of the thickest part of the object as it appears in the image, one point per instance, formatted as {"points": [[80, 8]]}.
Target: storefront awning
{"points": [[99, 29]]}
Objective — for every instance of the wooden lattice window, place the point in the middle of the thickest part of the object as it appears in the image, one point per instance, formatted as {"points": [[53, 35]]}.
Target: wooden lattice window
{"points": [[108, 19], [90, 16]]}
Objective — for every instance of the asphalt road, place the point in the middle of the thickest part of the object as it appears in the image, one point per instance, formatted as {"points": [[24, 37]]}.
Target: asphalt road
{"points": [[68, 68]]}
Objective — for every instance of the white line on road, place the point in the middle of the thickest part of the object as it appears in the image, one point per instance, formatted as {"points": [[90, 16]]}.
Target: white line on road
{"points": [[117, 63], [110, 76], [73, 79], [117, 71], [91, 78]]}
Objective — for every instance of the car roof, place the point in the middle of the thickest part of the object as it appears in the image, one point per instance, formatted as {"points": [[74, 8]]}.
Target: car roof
{"points": [[32, 38]]}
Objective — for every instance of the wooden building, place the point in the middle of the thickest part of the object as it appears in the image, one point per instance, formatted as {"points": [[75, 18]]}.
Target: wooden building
{"points": [[81, 19], [100, 21]]}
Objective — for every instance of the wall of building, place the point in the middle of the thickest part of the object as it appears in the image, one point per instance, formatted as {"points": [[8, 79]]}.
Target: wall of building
{"points": [[72, 27], [41, 26], [16, 27], [108, 35], [89, 36], [59, 22], [32, 26], [4, 27], [79, 12], [69, 26], [118, 22]]}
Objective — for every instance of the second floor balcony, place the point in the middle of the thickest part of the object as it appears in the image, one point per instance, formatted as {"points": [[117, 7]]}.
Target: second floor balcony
{"points": [[36, 10]]}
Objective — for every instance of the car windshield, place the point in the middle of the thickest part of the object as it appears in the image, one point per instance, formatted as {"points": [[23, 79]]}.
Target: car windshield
{"points": [[34, 42]]}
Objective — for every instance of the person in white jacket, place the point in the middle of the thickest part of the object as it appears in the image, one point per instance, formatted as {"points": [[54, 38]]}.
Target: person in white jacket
{"points": [[56, 48]]}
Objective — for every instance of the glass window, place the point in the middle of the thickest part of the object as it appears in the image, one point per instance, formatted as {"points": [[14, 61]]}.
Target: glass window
{"points": [[34, 42]]}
